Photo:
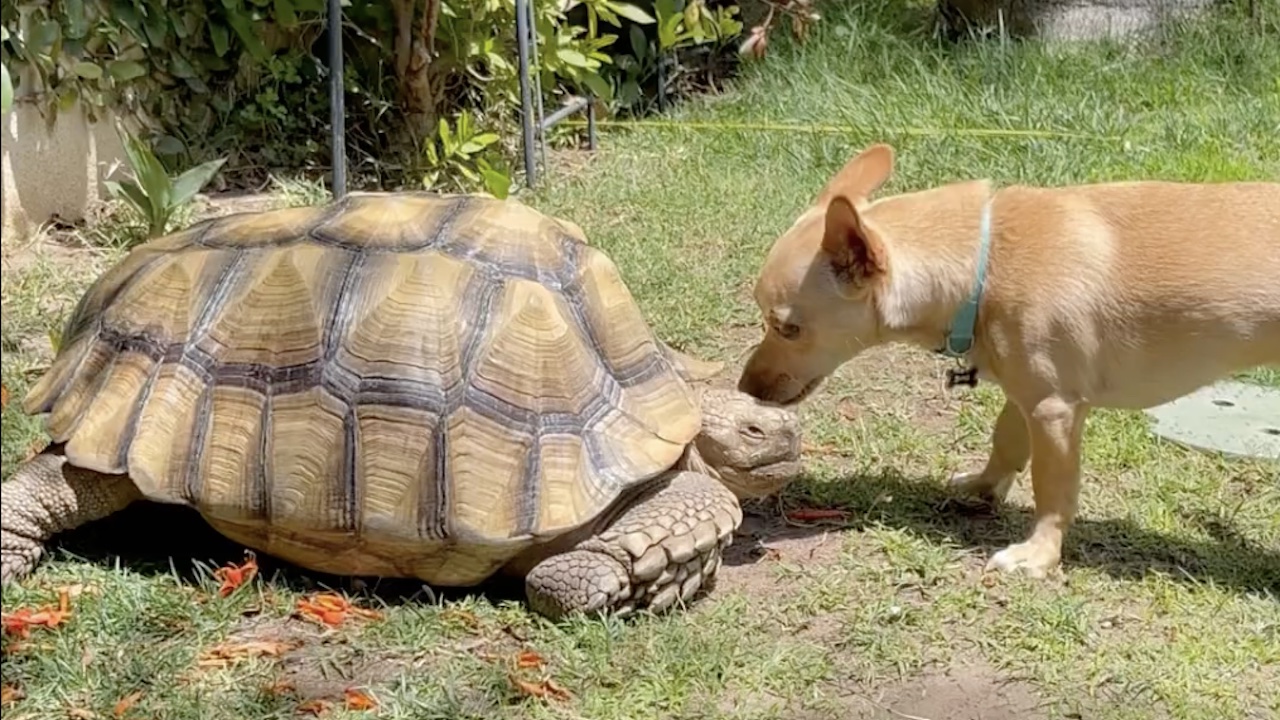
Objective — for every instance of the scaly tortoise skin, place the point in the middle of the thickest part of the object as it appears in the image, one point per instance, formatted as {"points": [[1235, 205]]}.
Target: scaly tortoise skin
{"points": [[405, 385]]}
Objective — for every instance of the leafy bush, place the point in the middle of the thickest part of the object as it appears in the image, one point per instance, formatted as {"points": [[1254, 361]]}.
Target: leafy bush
{"points": [[247, 79]]}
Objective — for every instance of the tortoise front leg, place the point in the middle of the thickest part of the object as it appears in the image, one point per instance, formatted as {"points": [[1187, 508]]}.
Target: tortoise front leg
{"points": [[47, 495], [661, 549]]}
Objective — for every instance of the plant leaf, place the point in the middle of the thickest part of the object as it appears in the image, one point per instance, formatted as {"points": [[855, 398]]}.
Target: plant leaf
{"points": [[88, 70], [221, 39], [76, 25], [43, 35], [631, 12], [130, 193], [639, 43], [598, 86], [285, 13], [151, 175], [192, 181], [497, 182], [573, 57], [125, 70], [248, 34], [6, 89], [485, 139]]}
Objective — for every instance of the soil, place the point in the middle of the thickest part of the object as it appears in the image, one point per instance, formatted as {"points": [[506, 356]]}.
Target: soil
{"points": [[969, 692]]}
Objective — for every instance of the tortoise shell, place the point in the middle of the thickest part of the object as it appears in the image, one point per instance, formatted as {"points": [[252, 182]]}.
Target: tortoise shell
{"points": [[403, 384]]}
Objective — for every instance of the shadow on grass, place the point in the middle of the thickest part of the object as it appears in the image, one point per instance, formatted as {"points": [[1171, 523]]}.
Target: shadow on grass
{"points": [[158, 539], [1123, 549], [154, 539]]}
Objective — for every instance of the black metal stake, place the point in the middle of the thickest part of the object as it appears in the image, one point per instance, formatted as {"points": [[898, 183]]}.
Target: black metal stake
{"points": [[526, 102], [337, 113], [591, 123]]}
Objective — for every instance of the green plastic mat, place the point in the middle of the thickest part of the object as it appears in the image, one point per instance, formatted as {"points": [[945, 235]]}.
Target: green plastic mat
{"points": [[1230, 417]]}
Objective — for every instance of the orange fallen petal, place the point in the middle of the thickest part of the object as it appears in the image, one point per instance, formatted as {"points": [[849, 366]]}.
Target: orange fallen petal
{"points": [[233, 576], [556, 691], [332, 610], [545, 688], [315, 707], [21, 620], [357, 700], [122, 706], [227, 653], [531, 689], [529, 659]]}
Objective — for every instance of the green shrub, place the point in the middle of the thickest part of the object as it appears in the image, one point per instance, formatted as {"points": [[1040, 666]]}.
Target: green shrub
{"points": [[247, 80]]}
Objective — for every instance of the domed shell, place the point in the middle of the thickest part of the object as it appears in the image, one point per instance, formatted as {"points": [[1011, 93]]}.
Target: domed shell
{"points": [[401, 384]]}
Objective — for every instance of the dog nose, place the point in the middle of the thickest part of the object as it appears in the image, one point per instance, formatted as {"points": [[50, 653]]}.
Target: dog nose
{"points": [[751, 384]]}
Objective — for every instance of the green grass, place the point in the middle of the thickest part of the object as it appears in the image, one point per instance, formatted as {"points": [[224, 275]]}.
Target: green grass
{"points": [[1168, 604]]}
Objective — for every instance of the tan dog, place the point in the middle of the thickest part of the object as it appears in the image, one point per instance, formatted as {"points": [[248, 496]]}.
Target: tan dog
{"points": [[1120, 295]]}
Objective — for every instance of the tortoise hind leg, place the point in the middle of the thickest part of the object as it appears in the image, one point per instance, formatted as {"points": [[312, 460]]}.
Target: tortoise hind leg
{"points": [[663, 548], [47, 495]]}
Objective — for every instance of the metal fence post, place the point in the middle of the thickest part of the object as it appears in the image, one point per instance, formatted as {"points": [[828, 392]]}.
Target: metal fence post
{"points": [[337, 112], [526, 102]]}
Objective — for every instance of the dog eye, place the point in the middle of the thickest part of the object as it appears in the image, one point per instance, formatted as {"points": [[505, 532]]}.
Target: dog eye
{"points": [[788, 330]]}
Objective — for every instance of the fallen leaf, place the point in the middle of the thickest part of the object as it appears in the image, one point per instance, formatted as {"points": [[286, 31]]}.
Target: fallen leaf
{"points": [[81, 714], [358, 700], [517, 634], [848, 408], [10, 694], [122, 706], [332, 609], [529, 659], [772, 554], [280, 687], [34, 449], [4, 397], [315, 707], [233, 576], [228, 653], [75, 591], [466, 618]]}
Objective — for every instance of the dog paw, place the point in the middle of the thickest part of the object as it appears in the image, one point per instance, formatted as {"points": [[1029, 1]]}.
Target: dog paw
{"points": [[1031, 559], [981, 485]]}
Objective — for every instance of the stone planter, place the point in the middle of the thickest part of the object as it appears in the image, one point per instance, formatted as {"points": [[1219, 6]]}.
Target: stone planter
{"points": [[53, 172], [1066, 20]]}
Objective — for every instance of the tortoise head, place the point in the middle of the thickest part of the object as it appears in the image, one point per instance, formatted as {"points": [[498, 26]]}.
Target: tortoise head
{"points": [[754, 448]]}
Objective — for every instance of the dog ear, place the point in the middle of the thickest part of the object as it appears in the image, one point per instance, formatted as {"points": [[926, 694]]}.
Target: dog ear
{"points": [[862, 175], [856, 254]]}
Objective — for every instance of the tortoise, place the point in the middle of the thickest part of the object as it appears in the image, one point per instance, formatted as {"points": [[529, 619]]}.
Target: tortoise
{"points": [[404, 384]]}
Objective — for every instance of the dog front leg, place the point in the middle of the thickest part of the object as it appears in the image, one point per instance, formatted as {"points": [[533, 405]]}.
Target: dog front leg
{"points": [[1055, 428], [1010, 451]]}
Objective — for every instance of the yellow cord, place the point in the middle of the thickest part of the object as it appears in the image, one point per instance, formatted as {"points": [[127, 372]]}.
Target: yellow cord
{"points": [[835, 129]]}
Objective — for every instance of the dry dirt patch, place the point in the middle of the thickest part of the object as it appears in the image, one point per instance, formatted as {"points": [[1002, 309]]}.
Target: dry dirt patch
{"points": [[968, 692]]}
